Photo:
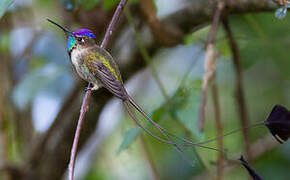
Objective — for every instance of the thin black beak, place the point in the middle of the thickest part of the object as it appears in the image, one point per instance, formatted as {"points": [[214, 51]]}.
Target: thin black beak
{"points": [[63, 28]]}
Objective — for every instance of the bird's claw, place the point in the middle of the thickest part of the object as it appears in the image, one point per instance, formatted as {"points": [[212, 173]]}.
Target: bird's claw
{"points": [[89, 88]]}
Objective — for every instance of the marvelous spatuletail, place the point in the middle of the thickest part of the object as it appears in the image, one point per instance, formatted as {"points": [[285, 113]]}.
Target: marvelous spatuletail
{"points": [[95, 65]]}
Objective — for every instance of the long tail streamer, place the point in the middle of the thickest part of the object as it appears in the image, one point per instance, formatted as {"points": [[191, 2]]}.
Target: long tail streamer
{"points": [[166, 133]]}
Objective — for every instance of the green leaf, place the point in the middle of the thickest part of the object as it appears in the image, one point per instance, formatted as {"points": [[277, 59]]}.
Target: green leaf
{"points": [[132, 133], [186, 104], [129, 138], [199, 36], [158, 113], [4, 4]]}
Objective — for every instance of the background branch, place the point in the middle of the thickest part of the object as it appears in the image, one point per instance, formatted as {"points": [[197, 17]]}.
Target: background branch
{"points": [[209, 63], [203, 11], [239, 91]]}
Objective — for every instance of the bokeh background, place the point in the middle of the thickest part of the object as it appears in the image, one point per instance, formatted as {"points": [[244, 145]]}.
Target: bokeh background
{"points": [[40, 95]]}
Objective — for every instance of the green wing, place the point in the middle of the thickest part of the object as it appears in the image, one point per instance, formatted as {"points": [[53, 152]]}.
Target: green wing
{"points": [[102, 65]]}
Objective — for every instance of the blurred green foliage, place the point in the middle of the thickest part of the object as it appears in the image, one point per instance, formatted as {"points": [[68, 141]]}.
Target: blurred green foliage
{"points": [[129, 137]]}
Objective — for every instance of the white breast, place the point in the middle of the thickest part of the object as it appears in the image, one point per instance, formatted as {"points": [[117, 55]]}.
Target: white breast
{"points": [[76, 56], [82, 69]]}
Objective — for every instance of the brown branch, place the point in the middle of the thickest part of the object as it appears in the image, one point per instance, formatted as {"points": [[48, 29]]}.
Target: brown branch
{"points": [[199, 12], [163, 35], [209, 64], [239, 92], [85, 103], [219, 129]]}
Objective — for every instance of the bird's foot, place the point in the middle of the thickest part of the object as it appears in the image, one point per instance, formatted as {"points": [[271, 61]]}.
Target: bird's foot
{"points": [[92, 88], [89, 88]]}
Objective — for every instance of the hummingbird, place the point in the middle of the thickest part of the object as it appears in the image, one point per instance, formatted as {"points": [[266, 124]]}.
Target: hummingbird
{"points": [[96, 66]]}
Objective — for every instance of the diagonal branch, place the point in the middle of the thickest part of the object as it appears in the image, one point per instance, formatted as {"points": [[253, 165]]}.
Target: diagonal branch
{"points": [[85, 103]]}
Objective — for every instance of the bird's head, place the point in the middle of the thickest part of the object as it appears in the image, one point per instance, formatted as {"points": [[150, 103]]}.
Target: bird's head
{"points": [[80, 38]]}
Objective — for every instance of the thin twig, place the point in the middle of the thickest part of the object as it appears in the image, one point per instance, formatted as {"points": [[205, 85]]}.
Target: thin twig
{"points": [[209, 60], [85, 103], [111, 27], [163, 35], [209, 68], [219, 128], [239, 87]]}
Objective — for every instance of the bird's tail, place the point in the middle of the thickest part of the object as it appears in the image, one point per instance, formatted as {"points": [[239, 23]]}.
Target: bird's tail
{"points": [[168, 141], [162, 130], [187, 142]]}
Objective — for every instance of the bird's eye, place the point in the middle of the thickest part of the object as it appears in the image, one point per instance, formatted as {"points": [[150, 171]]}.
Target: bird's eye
{"points": [[80, 39]]}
